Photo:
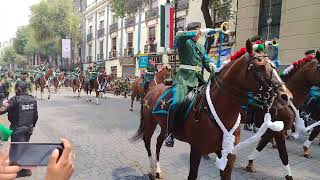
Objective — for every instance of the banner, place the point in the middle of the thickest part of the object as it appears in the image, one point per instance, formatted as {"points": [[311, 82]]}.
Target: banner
{"points": [[143, 62], [66, 48], [167, 25]]}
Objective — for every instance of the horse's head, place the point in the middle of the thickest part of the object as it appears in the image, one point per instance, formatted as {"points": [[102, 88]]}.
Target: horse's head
{"points": [[49, 72], [255, 74], [312, 70], [165, 72]]}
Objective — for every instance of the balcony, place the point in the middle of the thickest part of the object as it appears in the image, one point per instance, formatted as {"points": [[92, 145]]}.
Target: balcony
{"points": [[152, 14], [182, 4], [156, 58], [150, 48], [113, 54], [101, 32], [89, 37], [89, 58], [129, 52], [130, 22], [99, 56], [113, 27]]}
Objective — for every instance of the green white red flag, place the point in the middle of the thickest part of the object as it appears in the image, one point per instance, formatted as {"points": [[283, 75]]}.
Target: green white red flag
{"points": [[167, 25]]}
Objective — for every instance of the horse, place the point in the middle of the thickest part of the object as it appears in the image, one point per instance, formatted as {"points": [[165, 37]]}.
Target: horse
{"points": [[299, 78], [89, 86], [61, 79], [228, 88], [43, 82], [56, 82], [159, 78], [77, 85]]}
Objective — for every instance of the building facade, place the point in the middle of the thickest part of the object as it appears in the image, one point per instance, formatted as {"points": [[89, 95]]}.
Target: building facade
{"points": [[295, 23], [115, 43]]}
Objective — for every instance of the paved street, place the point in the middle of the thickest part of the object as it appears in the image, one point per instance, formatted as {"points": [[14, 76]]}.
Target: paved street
{"points": [[100, 134]]}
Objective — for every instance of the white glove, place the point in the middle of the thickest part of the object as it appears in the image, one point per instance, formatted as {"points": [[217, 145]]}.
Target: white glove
{"points": [[5, 102], [212, 67]]}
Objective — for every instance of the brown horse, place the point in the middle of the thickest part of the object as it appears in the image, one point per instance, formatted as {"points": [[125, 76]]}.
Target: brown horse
{"points": [[44, 82], [89, 86], [228, 90], [77, 85], [299, 80], [159, 78]]}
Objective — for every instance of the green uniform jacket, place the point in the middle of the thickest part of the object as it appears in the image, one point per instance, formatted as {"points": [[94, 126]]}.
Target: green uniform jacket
{"points": [[192, 54]]}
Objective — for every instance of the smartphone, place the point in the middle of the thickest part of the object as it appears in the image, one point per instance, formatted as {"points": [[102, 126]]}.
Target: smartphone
{"points": [[32, 154]]}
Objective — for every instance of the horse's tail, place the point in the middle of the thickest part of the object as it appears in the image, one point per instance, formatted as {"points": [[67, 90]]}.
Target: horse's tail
{"points": [[140, 132]]}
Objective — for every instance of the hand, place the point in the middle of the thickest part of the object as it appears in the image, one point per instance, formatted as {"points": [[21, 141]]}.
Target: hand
{"points": [[5, 102], [212, 66], [61, 169], [7, 172]]}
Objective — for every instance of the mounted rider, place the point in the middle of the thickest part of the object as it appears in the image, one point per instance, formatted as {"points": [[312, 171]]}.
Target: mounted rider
{"points": [[193, 60], [41, 71], [75, 73], [149, 75]]}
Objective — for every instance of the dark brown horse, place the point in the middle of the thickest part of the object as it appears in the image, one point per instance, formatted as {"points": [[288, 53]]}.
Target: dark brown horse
{"points": [[159, 78], [299, 80], [89, 86], [43, 82], [77, 83], [227, 90]]}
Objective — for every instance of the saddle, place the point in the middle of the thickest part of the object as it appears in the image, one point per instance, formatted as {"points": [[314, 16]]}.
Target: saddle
{"points": [[162, 107]]}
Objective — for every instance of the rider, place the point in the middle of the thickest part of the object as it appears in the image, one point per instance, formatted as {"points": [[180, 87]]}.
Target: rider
{"points": [[310, 52], [92, 72], [75, 73], [193, 59], [41, 70], [149, 75]]}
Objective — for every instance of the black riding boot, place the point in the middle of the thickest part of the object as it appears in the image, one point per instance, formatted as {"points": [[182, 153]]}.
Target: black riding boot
{"points": [[170, 138]]}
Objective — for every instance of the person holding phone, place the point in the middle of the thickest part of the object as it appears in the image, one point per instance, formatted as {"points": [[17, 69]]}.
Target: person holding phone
{"points": [[58, 168], [23, 115]]}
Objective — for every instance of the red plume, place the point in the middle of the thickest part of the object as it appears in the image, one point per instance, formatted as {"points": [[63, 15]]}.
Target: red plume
{"points": [[238, 54]]}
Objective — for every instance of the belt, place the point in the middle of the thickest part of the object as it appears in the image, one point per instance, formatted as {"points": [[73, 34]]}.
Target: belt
{"points": [[189, 67]]}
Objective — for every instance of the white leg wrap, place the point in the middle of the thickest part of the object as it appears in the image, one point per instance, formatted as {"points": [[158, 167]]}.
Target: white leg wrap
{"points": [[158, 170], [152, 166], [307, 143], [253, 154], [97, 100], [288, 170]]}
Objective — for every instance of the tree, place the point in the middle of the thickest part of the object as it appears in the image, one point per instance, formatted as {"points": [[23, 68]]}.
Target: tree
{"points": [[50, 22], [8, 55]]}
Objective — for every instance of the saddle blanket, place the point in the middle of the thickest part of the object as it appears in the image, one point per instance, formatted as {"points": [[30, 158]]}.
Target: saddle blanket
{"points": [[162, 107]]}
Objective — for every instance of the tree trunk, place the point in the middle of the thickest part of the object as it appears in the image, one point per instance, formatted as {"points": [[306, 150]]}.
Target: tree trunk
{"points": [[206, 14], [208, 21]]}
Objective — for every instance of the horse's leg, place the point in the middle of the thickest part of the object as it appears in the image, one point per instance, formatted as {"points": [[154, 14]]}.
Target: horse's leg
{"points": [[97, 97], [226, 174], [160, 140], [282, 149], [195, 158], [315, 132], [133, 95], [147, 135], [265, 139], [79, 90], [49, 92]]}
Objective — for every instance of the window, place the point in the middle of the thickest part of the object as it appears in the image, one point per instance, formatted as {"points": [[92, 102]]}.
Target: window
{"points": [[101, 25], [90, 29], [181, 24], [114, 44], [152, 34], [270, 10], [114, 19], [153, 3], [130, 40], [101, 49]]}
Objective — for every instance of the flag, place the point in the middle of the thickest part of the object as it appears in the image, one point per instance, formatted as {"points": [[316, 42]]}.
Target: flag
{"points": [[167, 25]]}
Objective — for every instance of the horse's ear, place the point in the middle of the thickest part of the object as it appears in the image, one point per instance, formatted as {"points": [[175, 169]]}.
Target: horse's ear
{"points": [[318, 55], [249, 47]]}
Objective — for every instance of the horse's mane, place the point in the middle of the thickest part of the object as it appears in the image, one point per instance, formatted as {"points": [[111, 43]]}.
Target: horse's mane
{"points": [[296, 65]]}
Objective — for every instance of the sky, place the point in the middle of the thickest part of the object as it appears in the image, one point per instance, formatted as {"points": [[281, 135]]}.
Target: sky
{"points": [[14, 13]]}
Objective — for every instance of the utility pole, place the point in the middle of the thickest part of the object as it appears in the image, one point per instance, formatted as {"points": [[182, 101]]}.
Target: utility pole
{"points": [[175, 33]]}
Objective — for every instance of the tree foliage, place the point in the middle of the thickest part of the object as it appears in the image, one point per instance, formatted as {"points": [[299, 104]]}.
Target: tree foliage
{"points": [[52, 21], [8, 55]]}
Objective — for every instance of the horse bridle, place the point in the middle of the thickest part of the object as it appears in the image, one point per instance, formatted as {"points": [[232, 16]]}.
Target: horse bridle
{"points": [[266, 95]]}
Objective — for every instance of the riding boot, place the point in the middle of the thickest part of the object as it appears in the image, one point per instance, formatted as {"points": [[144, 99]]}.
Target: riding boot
{"points": [[24, 173], [170, 138]]}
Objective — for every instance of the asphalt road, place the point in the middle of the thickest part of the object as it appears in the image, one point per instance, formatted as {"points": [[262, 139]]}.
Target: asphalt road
{"points": [[100, 133]]}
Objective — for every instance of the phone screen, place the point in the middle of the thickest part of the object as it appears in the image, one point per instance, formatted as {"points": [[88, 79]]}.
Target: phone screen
{"points": [[32, 154]]}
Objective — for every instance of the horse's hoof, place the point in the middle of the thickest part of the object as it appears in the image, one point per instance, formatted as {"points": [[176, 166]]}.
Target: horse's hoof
{"points": [[131, 109], [307, 156], [274, 146], [159, 176], [151, 177], [288, 177], [250, 169]]}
